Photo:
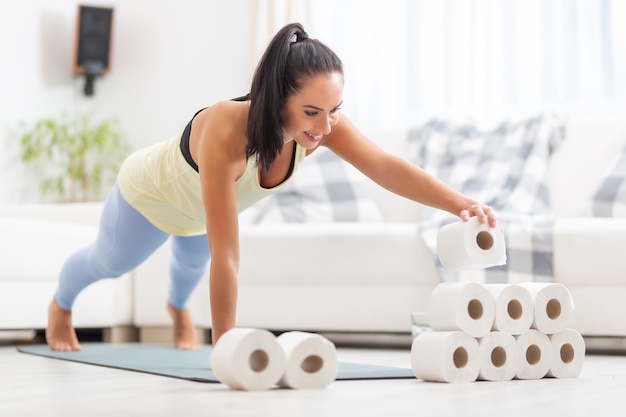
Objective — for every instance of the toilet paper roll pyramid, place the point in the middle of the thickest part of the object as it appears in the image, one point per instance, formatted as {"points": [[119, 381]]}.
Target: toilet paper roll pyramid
{"points": [[527, 337]]}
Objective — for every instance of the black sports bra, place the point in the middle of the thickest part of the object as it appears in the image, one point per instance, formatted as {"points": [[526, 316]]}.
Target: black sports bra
{"points": [[184, 141]]}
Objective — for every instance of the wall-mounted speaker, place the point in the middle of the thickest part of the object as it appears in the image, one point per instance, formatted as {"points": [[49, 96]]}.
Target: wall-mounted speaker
{"points": [[92, 46]]}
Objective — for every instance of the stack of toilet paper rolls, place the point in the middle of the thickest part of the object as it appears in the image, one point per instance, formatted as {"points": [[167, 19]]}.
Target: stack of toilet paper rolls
{"points": [[255, 359], [498, 332]]}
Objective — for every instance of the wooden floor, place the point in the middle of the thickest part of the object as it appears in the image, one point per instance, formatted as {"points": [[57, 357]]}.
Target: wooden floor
{"points": [[37, 386]]}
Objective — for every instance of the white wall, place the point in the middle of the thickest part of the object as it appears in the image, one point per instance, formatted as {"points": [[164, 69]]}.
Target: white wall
{"points": [[169, 59]]}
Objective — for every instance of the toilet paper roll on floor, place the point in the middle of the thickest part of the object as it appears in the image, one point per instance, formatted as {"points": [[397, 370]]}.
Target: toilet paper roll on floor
{"points": [[311, 360], [445, 357], [553, 306], [535, 354], [248, 359], [466, 306], [498, 357], [514, 308], [568, 354], [470, 245]]}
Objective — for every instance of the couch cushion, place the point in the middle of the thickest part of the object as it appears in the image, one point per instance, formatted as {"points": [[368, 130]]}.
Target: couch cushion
{"points": [[34, 250], [334, 254], [579, 165], [589, 252], [609, 200], [324, 189]]}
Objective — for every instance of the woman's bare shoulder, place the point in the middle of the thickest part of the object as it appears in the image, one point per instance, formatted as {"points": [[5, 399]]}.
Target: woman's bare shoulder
{"points": [[219, 133], [226, 113], [224, 120]]}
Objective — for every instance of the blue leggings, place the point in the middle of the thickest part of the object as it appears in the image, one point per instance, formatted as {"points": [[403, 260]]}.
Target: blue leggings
{"points": [[125, 239]]}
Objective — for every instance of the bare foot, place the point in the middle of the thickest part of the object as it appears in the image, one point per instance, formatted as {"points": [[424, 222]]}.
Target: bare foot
{"points": [[60, 334], [185, 337]]}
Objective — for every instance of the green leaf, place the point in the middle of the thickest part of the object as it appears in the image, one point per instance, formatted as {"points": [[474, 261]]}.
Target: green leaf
{"points": [[87, 155]]}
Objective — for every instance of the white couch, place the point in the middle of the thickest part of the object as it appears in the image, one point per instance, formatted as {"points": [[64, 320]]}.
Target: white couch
{"points": [[369, 277], [34, 241]]}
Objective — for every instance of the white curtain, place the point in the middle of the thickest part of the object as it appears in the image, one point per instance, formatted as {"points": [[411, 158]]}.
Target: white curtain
{"points": [[410, 60], [502, 57]]}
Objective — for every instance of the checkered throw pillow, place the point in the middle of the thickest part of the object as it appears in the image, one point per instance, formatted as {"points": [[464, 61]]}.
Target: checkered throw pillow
{"points": [[324, 189], [505, 168], [609, 200]]}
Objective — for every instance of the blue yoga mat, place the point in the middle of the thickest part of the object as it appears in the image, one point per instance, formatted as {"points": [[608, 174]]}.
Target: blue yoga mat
{"points": [[193, 365]]}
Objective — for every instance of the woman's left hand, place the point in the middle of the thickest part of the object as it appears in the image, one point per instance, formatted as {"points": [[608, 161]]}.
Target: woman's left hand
{"points": [[482, 211]]}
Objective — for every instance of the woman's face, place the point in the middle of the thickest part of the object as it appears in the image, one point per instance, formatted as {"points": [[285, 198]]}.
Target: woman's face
{"points": [[313, 111]]}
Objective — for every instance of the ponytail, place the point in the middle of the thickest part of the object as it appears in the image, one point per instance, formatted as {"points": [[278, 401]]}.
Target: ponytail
{"points": [[290, 58]]}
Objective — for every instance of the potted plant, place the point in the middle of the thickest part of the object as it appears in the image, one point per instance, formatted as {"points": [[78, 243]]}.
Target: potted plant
{"points": [[75, 157]]}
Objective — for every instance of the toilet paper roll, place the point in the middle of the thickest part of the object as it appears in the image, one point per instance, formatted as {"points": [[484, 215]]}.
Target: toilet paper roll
{"points": [[470, 245], [553, 306], [248, 359], [534, 352], [311, 360], [466, 306], [498, 357], [514, 308], [445, 357], [568, 354]]}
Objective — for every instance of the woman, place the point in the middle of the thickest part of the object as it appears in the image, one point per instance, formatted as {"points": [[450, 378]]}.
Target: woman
{"points": [[232, 154]]}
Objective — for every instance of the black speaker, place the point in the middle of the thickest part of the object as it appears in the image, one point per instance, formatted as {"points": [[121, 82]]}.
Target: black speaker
{"points": [[93, 43]]}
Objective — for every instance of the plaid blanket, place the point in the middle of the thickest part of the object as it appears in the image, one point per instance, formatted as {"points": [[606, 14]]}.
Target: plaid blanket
{"points": [[506, 168], [324, 189]]}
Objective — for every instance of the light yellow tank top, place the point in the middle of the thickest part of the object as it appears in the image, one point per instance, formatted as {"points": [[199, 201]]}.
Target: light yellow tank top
{"points": [[159, 183]]}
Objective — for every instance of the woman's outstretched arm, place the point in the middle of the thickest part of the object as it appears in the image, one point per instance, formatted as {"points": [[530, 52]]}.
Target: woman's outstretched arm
{"points": [[400, 176]]}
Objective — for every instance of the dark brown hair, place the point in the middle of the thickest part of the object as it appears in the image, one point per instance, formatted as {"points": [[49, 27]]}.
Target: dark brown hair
{"points": [[290, 58]]}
